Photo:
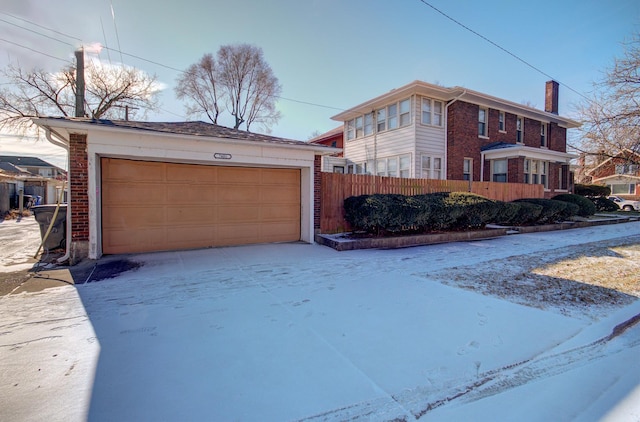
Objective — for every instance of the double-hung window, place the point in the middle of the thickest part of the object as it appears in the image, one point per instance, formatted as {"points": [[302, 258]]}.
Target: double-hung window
{"points": [[543, 134], [405, 112], [351, 130], [392, 116], [499, 171], [467, 169], [405, 165], [519, 129], [501, 122], [535, 172], [482, 121], [359, 128], [432, 112], [382, 119], [431, 167], [368, 124]]}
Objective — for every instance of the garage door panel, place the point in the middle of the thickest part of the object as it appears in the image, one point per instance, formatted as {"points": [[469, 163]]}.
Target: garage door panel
{"points": [[280, 177], [192, 174], [238, 194], [128, 192], [279, 212], [191, 194], [237, 175], [120, 170], [185, 206], [132, 217]]}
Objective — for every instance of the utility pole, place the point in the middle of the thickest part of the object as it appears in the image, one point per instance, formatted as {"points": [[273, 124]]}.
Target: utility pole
{"points": [[79, 83]]}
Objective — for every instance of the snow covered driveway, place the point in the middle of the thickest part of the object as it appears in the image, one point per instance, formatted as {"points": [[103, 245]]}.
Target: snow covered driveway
{"points": [[302, 332]]}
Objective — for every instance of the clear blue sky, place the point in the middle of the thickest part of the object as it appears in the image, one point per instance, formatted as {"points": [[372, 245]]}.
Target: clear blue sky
{"points": [[338, 53]]}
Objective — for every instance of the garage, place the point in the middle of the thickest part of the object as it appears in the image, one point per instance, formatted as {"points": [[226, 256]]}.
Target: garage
{"points": [[156, 206], [139, 187]]}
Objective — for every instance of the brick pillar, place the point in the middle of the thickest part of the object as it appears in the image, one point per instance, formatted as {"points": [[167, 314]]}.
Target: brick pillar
{"points": [[317, 192], [79, 197]]}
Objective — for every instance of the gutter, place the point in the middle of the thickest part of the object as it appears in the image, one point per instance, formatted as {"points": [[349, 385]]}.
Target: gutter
{"points": [[62, 143]]}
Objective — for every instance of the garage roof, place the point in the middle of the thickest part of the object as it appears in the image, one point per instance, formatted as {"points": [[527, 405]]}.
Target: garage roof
{"points": [[195, 128]]}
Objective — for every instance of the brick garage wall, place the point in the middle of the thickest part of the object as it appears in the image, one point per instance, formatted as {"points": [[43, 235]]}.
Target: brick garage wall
{"points": [[79, 189], [317, 191]]}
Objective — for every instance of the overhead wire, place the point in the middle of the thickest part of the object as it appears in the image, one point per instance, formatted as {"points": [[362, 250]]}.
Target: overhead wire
{"points": [[515, 56]]}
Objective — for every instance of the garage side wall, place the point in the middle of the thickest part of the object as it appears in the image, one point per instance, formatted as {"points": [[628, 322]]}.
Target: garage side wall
{"points": [[78, 204]]}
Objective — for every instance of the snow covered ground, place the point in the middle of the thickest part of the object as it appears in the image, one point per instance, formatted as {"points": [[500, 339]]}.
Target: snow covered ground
{"points": [[301, 332]]}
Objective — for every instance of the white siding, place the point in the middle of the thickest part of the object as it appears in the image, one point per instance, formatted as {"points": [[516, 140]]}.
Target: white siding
{"points": [[430, 140]]}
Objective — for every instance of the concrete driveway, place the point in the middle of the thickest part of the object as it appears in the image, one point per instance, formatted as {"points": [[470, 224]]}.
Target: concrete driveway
{"points": [[302, 332]]}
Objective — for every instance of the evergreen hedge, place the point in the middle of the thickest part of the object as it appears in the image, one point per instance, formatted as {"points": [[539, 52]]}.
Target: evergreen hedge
{"points": [[587, 207]]}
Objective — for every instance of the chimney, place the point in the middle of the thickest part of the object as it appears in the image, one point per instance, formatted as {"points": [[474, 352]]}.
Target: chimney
{"points": [[551, 97], [80, 83]]}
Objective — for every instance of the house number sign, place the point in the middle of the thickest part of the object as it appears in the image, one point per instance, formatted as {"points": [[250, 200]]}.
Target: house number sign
{"points": [[221, 156]]}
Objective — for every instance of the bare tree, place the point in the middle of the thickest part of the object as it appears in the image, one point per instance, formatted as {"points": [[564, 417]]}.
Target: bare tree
{"points": [[611, 117], [109, 88], [239, 79], [200, 87]]}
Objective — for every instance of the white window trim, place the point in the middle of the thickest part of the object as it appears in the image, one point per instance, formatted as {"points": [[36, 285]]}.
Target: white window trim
{"points": [[484, 135], [504, 122], [521, 130], [470, 160], [544, 131], [432, 111], [493, 173]]}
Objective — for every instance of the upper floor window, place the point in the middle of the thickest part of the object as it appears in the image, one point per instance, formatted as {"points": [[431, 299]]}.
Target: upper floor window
{"points": [[432, 112], [368, 124], [626, 169], [405, 112], [543, 134], [359, 127], [519, 129], [501, 122], [482, 122], [391, 117]]}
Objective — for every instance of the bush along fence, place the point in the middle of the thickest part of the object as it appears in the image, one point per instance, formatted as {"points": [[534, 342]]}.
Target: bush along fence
{"points": [[391, 214], [338, 187]]}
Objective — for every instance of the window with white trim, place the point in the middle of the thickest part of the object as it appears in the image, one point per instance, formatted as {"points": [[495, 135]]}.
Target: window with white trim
{"points": [[338, 169], [359, 127], [536, 171], [431, 112], [501, 122], [382, 119], [392, 116], [405, 166], [622, 188], [430, 167], [351, 131], [483, 114], [543, 134], [519, 129], [499, 170], [626, 169], [405, 112], [467, 169], [392, 167], [368, 124]]}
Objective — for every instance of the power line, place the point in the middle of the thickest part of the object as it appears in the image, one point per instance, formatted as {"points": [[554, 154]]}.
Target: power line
{"points": [[515, 56], [40, 26], [36, 51], [36, 32]]}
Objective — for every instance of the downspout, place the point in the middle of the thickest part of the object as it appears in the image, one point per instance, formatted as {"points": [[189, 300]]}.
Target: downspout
{"points": [[446, 134], [65, 145]]}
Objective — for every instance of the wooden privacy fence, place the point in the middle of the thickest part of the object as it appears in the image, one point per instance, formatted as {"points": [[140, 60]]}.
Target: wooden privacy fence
{"points": [[337, 187]]}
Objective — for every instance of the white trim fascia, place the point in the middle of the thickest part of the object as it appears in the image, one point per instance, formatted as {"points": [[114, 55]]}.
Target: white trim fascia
{"points": [[619, 177], [528, 152], [86, 127]]}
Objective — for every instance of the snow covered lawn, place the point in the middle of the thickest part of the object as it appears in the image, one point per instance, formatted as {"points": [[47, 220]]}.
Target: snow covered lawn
{"points": [[461, 331]]}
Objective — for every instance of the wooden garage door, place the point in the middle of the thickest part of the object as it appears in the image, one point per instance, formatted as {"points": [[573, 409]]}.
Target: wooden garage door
{"points": [[150, 206]]}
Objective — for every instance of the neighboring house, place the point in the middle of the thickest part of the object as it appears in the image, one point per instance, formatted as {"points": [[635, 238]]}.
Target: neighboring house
{"points": [[145, 186], [422, 130], [333, 138], [35, 166], [621, 173], [30, 179]]}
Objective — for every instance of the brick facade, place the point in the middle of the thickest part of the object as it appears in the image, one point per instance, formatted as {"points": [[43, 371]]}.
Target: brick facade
{"points": [[79, 196], [463, 142]]}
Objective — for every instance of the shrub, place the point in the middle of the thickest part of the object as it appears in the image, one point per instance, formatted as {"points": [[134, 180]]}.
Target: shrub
{"points": [[591, 191], [604, 204], [526, 213], [470, 210], [586, 206], [552, 211]]}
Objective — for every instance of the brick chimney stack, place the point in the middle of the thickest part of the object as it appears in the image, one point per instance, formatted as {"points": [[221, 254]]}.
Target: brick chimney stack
{"points": [[551, 97]]}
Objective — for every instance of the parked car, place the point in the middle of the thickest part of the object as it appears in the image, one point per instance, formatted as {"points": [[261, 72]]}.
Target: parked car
{"points": [[625, 204]]}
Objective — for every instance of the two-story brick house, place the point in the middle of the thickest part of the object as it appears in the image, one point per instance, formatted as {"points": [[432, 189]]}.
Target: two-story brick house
{"points": [[620, 173], [422, 130]]}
